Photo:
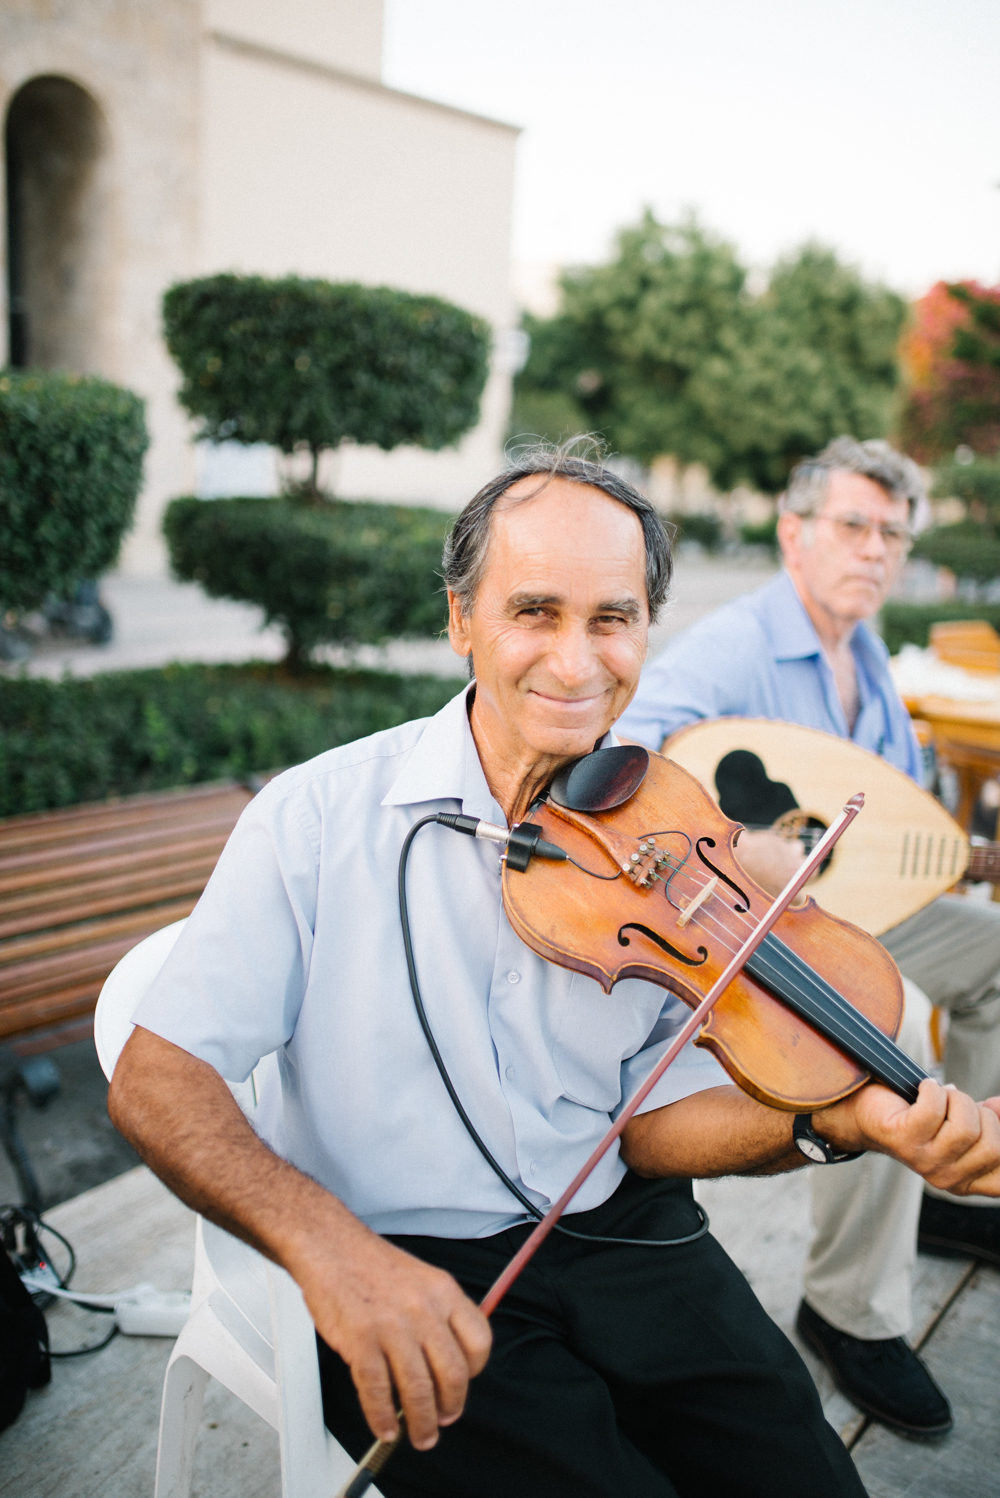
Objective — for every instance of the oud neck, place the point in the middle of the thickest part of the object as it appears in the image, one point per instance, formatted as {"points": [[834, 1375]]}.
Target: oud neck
{"points": [[984, 862]]}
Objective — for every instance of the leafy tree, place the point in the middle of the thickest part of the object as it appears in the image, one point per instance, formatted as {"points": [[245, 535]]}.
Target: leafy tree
{"points": [[71, 452], [952, 358], [306, 363], [667, 350]]}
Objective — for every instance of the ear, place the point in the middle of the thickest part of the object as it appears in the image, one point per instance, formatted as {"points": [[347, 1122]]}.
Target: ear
{"points": [[458, 626], [789, 533]]}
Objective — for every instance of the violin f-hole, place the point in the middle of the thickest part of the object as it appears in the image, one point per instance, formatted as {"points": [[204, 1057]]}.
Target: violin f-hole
{"points": [[662, 942], [740, 910]]}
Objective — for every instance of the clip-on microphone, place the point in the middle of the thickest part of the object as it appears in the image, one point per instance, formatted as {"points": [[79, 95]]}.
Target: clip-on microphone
{"points": [[598, 781]]}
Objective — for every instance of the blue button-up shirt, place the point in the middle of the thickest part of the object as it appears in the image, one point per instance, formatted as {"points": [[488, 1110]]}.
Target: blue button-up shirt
{"points": [[295, 948], [760, 657]]}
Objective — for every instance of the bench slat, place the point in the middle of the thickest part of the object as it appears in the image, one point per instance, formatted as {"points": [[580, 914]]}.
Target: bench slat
{"points": [[52, 908], [79, 888], [36, 862], [150, 806], [48, 877], [78, 935]]}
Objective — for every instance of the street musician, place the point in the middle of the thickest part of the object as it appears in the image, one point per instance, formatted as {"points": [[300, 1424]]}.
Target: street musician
{"points": [[630, 1358], [799, 650]]}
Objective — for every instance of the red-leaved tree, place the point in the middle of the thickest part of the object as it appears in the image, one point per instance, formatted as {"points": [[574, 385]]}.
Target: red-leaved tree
{"points": [[951, 356]]}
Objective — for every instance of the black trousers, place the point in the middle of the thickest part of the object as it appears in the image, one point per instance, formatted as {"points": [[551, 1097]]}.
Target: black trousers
{"points": [[617, 1372]]}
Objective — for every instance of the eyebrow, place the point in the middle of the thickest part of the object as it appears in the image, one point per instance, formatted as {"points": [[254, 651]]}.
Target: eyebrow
{"points": [[627, 606]]}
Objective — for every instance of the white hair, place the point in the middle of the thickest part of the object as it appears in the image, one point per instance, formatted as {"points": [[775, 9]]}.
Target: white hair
{"points": [[875, 459]]}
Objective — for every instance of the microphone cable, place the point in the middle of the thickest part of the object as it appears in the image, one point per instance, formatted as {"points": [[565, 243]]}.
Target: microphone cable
{"points": [[468, 826]]}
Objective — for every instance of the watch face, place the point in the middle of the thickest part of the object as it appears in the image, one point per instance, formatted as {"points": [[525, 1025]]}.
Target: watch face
{"points": [[812, 1150]]}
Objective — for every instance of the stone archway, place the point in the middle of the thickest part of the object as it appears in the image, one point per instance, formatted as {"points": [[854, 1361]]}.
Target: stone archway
{"points": [[57, 254]]}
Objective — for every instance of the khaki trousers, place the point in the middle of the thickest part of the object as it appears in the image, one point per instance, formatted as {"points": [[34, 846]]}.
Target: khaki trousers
{"points": [[860, 1267]]}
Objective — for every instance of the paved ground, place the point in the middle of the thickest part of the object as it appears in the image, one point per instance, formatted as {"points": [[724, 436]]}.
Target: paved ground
{"points": [[92, 1433], [157, 620]]}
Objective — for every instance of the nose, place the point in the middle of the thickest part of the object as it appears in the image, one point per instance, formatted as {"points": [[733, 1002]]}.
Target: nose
{"points": [[875, 548], [573, 657]]}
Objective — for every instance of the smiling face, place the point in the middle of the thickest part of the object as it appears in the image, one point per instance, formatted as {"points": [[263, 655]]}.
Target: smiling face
{"points": [[559, 627], [845, 560]]}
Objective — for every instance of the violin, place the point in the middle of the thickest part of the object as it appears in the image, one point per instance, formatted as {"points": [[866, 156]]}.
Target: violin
{"points": [[651, 888]]}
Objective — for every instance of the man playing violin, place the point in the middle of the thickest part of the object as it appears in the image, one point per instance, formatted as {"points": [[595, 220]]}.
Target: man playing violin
{"points": [[799, 650], [630, 1358]]}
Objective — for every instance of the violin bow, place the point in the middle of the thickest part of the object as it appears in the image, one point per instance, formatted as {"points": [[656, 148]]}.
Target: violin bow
{"points": [[376, 1457]]}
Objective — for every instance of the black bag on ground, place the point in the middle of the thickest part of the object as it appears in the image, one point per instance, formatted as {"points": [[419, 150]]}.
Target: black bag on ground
{"points": [[24, 1343]]}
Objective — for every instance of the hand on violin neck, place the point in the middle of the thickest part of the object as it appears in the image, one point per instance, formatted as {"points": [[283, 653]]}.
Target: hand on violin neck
{"points": [[953, 1142]]}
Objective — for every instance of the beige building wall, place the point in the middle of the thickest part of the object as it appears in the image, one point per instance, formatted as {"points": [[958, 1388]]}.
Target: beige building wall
{"points": [[245, 135], [309, 169], [344, 34], [140, 63]]}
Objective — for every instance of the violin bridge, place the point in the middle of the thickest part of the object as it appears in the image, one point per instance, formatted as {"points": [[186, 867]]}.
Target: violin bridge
{"points": [[699, 900]]}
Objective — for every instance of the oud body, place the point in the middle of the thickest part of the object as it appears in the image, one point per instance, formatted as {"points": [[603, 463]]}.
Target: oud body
{"points": [[904, 852]]}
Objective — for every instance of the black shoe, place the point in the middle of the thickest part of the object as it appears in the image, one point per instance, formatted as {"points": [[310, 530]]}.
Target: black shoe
{"points": [[956, 1232], [885, 1379]]}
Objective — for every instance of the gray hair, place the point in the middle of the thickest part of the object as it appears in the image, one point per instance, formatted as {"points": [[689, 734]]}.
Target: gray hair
{"points": [[898, 475], [467, 546]]}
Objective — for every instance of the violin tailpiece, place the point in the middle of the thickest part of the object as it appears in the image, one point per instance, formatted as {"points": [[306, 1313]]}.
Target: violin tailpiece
{"points": [[639, 858]]}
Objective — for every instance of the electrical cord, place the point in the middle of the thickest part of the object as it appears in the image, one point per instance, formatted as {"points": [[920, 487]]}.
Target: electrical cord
{"points": [[446, 820], [31, 1258]]}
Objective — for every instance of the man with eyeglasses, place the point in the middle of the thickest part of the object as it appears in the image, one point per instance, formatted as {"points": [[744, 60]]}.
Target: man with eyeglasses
{"points": [[800, 650]]}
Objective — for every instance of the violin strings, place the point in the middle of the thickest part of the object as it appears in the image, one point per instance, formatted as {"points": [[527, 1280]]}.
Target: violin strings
{"points": [[876, 1051]]}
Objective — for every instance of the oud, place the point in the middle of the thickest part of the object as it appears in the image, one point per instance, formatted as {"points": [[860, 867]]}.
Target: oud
{"points": [[904, 852]]}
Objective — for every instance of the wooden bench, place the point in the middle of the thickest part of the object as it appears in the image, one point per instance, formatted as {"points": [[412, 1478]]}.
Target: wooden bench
{"points": [[79, 888]]}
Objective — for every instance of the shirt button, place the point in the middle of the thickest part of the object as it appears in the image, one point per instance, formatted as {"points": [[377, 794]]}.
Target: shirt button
{"points": [[509, 1073], [534, 1167], [513, 976]]}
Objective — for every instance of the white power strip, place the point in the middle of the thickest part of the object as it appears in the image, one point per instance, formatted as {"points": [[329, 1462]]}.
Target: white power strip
{"points": [[142, 1311]]}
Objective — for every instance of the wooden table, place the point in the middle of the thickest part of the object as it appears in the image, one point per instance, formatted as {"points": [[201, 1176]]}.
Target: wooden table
{"points": [[967, 738]]}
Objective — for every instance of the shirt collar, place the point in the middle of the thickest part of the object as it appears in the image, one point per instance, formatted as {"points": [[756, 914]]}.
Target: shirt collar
{"points": [[444, 765], [791, 631]]}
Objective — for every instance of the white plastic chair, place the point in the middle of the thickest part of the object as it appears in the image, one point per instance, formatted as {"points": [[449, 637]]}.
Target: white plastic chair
{"points": [[249, 1326]]}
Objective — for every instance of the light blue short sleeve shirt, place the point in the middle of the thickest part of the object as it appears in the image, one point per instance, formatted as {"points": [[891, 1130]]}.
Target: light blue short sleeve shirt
{"points": [[760, 657], [295, 948]]}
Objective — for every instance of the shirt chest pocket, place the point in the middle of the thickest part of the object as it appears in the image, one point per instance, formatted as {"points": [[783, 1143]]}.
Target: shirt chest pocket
{"points": [[595, 1032]]}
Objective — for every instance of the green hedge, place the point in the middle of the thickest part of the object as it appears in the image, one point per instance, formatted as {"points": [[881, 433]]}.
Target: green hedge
{"points": [[351, 573], [966, 548], [128, 731], [910, 623], [705, 528], [304, 361], [71, 454], [764, 534]]}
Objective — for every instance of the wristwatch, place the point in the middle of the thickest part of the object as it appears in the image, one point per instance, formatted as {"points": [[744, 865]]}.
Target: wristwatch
{"points": [[816, 1149]]}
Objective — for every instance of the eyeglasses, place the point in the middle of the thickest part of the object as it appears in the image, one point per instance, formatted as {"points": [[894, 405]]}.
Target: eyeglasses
{"points": [[855, 531]]}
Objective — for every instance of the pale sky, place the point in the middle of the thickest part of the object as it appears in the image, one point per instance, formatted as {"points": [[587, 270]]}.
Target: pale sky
{"points": [[870, 125]]}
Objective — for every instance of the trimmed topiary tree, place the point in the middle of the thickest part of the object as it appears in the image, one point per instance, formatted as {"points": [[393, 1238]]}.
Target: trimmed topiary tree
{"points": [[71, 452], [298, 363], [969, 548], [353, 573]]}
